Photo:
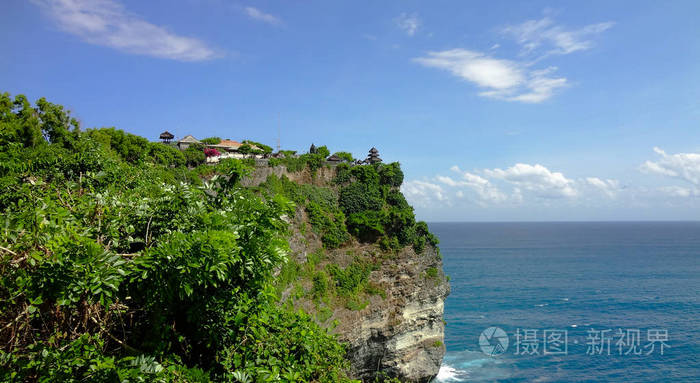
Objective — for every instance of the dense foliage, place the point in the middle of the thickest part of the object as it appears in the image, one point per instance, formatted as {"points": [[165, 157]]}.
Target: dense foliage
{"points": [[366, 204], [118, 264], [375, 208], [210, 140]]}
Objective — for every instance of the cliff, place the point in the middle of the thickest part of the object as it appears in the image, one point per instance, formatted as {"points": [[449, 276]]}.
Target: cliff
{"points": [[125, 259], [393, 327]]}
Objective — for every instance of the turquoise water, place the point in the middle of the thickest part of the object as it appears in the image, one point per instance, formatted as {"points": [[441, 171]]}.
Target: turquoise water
{"points": [[578, 279]]}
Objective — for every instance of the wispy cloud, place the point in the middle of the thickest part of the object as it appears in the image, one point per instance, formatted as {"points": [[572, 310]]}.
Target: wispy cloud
{"points": [[108, 23], [683, 166], [608, 187], [409, 23], [498, 78], [259, 15], [544, 34], [516, 79]]}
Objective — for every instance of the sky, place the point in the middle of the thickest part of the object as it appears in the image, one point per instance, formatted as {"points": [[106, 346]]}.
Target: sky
{"points": [[496, 110]]}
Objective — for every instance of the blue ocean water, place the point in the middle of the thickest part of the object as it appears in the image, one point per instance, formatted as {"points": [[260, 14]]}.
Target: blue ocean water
{"points": [[590, 280]]}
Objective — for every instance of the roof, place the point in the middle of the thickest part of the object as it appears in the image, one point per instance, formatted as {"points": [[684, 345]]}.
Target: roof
{"points": [[374, 150], [229, 144], [189, 139], [167, 135], [334, 158]]}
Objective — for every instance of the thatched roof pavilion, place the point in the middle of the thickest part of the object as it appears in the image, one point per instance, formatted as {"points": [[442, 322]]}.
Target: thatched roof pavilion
{"points": [[166, 137]]}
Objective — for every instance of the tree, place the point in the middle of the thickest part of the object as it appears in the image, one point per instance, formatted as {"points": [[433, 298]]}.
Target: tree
{"points": [[390, 174], [210, 140], [261, 148], [345, 155], [56, 123], [323, 151]]}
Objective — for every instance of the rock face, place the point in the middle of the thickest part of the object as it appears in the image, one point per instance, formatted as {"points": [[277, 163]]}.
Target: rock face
{"points": [[402, 335]]}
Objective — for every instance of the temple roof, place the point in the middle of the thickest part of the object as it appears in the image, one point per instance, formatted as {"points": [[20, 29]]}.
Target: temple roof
{"points": [[334, 158]]}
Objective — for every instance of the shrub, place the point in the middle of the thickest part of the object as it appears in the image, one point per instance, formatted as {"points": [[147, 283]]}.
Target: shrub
{"points": [[194, 155], [390, 174], [352, 279], [166, 155], [320, 284], [209, 152], [431, 272], [342, 174], [358, 197], [261, 148], [368, 226]]}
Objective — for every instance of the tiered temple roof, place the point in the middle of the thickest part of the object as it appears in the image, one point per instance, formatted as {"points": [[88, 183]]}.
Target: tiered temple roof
{"points": [[373, 156]]}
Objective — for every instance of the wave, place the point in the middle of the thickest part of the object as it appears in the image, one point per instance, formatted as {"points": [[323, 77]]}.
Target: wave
{"points": [[471, 366]]}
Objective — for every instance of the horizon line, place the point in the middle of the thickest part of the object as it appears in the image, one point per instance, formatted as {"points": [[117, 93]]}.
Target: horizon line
{"points": [[575, 221]]}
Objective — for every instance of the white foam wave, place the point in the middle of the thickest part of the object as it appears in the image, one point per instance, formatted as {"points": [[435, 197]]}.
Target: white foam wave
{"points": [[448, 374]]}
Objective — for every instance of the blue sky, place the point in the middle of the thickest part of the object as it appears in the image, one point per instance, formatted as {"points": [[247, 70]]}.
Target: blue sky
{"points": [[496, 110]]}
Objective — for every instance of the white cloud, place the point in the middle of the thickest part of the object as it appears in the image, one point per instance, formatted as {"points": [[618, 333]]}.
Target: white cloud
{"points": [[609, 187], [409, 23], [538, 179], [259, 15], [555, 39], [684, 166], [108, 23], [423, 193], [480, 185], [501, 79]]}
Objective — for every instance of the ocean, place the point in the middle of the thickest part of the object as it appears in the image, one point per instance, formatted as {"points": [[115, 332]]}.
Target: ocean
{"points": [[571, 302]]}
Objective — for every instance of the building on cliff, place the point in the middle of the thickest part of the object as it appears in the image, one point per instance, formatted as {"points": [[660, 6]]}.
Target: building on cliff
{"points": [[373, 156], [187, 141], [166, 137]]}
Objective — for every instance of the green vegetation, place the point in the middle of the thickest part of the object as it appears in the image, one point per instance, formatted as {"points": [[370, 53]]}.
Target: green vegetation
{"points": [[431, 272], [320, 204], [194, 155], [376, 210], [118, 264], [123, 260], [252, 147], [210, 140], [345, 155]]}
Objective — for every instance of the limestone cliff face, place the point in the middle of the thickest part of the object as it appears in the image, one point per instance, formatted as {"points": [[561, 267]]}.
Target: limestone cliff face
{"points": [[397, 335], [402, 335]]}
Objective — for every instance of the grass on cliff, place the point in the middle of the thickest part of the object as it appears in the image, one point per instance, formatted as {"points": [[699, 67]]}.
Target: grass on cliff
{"points": [[327, 285]]}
